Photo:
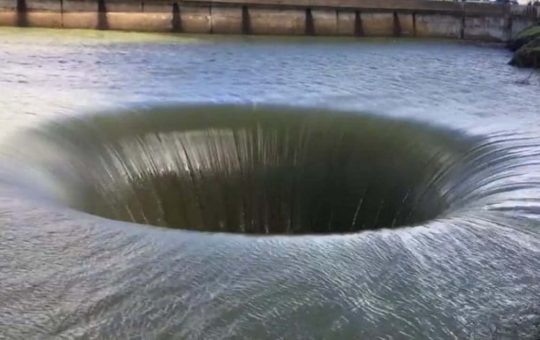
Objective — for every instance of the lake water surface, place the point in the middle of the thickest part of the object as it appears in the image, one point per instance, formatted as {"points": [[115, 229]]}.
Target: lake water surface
{"points": [[359, 188]]}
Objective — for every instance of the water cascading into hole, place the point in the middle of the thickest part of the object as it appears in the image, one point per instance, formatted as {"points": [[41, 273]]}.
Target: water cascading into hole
{"points": [[256, 171]]}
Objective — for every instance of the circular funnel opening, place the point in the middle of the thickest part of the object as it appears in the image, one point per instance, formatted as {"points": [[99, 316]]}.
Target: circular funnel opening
{"points": [[256, 171]]}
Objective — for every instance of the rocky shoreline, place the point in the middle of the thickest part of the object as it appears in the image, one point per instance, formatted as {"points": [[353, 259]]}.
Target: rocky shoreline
{"points": [[526, 47]]}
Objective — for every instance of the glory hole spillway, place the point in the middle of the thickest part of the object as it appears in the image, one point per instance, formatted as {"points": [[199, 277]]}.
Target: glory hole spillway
{"points": [[240, 187]]}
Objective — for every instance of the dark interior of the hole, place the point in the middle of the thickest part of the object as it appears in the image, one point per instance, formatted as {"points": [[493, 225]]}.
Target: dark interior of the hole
{"points": [[315, 199], [270, 173]]}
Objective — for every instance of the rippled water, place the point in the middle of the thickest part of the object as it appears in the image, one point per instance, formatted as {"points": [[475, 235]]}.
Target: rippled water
{"points": [[91, 124]]}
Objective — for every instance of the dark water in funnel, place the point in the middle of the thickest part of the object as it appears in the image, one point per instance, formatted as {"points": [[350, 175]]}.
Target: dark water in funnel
{"points": [[261, 171], [406, 206]]}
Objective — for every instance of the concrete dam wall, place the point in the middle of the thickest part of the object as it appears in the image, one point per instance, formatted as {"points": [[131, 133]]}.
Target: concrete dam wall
{"points": [[371, 18]]}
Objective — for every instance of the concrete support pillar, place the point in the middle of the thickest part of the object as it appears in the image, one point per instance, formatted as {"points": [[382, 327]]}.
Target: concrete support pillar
{"points": [[8, 12], [226, 19], [438, 26], [277, 21], [246, 22], [485, 28], [325, 22], [378, 24], [195, 19], [345, 23], [406, 24], [80, 14], [143, 22]]}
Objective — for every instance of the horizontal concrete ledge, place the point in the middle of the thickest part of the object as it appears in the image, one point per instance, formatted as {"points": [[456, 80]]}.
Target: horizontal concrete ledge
{"points": [[412, 6], [417, 6], [413, 18]]}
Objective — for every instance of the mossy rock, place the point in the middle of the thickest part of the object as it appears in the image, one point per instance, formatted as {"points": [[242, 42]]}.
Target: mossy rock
{"points": [[528, 55], [524, 37]]}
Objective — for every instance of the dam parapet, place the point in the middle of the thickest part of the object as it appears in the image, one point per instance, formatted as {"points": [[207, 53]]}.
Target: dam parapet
{"points": [[370, 18]]}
